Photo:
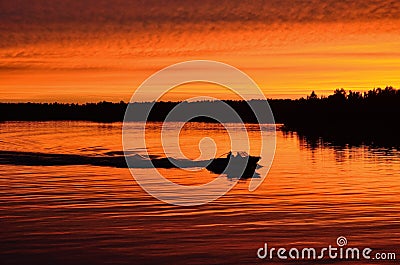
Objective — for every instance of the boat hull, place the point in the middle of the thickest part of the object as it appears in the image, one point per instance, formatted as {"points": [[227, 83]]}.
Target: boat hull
{"points": [[239, 167]]}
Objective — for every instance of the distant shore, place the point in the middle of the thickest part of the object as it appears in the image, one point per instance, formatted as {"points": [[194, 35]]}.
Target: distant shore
{"points": [[346, 114]]}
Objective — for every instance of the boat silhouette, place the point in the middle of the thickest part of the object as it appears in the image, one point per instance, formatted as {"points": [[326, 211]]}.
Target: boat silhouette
{"points": [[234, 166], [240, 165]]}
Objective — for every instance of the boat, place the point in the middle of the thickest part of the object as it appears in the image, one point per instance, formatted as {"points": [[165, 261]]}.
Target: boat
{"points": [[242, 165]]}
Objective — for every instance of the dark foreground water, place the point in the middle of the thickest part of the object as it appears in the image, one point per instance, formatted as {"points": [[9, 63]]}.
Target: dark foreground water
{"points": [[82, 214]]}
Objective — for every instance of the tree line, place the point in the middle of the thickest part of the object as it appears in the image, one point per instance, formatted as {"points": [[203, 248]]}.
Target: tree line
{"points": [[374, 112]]}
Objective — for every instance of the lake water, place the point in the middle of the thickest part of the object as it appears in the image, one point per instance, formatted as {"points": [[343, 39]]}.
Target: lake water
{"points": [[99, 215]]}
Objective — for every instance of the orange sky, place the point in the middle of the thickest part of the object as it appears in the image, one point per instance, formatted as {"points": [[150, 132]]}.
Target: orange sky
{"points": [[79, 51]]}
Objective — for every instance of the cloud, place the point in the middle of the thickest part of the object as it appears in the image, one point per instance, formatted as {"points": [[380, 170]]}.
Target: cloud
{"points": [[66, 22], [57, 14], [90, 36]]}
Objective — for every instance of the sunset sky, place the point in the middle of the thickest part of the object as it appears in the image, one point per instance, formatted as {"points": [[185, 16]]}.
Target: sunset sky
{"points": [[92, 50]]}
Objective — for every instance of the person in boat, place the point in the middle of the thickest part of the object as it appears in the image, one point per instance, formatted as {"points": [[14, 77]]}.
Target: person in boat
{"points": [[231, 155]]}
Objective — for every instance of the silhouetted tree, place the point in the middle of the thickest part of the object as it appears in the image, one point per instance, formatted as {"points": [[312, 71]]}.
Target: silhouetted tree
{"points": [[312, 96], [339, 95]]}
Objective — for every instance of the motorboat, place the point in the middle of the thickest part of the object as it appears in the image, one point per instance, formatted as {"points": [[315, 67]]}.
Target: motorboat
{"points": [[239, 165]]}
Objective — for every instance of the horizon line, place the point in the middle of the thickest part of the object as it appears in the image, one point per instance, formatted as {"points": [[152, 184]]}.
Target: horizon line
{"points": [[179, 101]]}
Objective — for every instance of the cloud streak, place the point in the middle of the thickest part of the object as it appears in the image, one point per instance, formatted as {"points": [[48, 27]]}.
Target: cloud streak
{"points": [[131, 39], [119, 12]]}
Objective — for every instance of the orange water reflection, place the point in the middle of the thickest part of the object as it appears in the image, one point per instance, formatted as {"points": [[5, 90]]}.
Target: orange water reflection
{"points": [[88, 214]]}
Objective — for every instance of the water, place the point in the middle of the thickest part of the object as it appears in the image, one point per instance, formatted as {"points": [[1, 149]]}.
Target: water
{"points": [[98, 215]]}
